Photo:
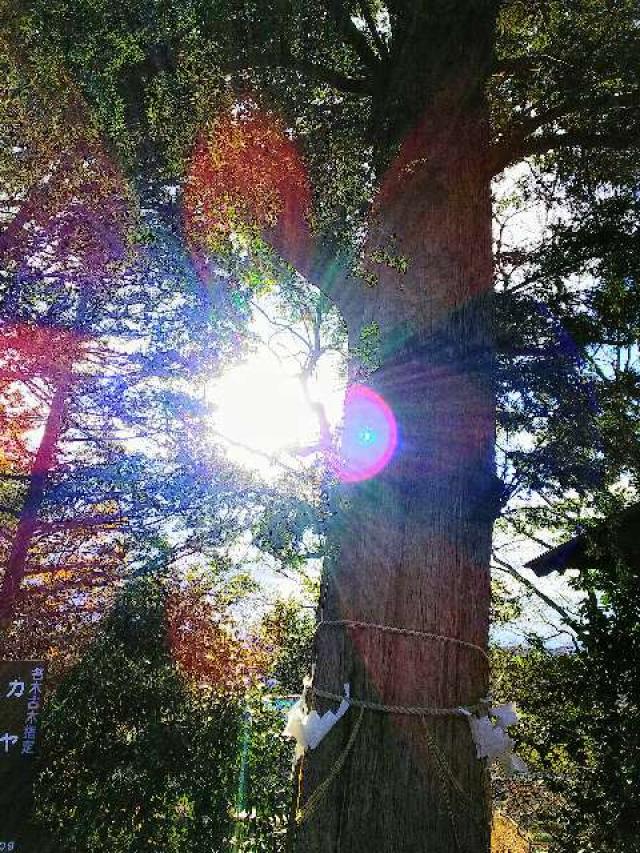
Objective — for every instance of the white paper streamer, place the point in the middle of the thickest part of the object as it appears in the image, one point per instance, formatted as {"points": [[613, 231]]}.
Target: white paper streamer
{"points": [[506, 715], [309, 729], [491, 739]]}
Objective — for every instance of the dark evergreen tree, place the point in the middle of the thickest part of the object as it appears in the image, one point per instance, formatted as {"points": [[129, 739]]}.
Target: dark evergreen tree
{"points": [[137, 759]]}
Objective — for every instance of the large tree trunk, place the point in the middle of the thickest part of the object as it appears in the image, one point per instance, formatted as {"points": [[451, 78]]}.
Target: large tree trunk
{"points": [[410, 548]]}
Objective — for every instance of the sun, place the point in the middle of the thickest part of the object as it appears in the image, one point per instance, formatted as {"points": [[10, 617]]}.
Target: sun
{"points": [[262, 415], [262, 406], [270, 414]]}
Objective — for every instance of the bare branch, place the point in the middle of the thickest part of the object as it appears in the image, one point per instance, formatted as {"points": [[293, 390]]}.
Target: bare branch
{"points": [[281, 326], [273, 458], [508, 569]]}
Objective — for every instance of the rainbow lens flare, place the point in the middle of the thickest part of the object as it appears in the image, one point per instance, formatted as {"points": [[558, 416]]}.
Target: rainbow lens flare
{"points": [[369, 436]]}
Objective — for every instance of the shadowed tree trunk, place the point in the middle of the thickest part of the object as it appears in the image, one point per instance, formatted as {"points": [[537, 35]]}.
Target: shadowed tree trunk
{"points": [[43, 465], [28, 521], [410, 548]]}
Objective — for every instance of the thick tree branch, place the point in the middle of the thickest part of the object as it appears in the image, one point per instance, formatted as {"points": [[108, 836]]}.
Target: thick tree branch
{"points": [[352, 35], [513, 66], [64, 525], [37, 199], [520, 141], [324, 74], [546, 142], [315, 71], [585, 140]]}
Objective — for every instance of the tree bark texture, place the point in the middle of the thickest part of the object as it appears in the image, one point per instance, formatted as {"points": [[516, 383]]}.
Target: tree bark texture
{"points": [[410, 547]]}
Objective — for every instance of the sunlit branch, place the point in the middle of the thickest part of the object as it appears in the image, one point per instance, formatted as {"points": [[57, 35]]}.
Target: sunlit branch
{"points": [[90, 582], [326, 441], [94, 567], [373, 29]]}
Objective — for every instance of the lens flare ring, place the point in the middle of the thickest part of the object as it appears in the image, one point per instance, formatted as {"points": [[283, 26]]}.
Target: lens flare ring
{"points": [[369, 435]]}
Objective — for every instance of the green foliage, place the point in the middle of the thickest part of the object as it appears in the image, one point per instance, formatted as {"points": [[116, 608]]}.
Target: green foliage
{"points": [[284, 532], [134, 759], [607, 691], [542, 685], [263, 800], [558, 53], [368, 350], [581, 712], [568, 304], [141, 65], [289, 629], [506, 606], [264, 793]]}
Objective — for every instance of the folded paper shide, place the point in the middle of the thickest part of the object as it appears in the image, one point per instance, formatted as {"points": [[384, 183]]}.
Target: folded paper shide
{"points": [[309, 728], [490, 736]]}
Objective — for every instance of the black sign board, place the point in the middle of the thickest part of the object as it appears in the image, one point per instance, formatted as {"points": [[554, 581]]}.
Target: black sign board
{"points": [[21, 693]]}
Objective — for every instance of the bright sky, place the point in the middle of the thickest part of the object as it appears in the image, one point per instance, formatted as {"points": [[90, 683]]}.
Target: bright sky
{"points": [[261, 411]]}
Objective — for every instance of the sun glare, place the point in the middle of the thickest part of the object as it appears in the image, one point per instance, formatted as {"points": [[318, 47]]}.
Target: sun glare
{"points": [[369, 435], [267, 418], [262, 416]]}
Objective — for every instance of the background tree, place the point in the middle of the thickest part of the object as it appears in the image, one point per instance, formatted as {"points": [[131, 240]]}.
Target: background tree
{"points": [[570, 442], [136, 757], [124, 452], [264, 785]]}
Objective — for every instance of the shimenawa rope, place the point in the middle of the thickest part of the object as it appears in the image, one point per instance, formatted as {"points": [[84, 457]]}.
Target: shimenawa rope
{"points": [[408, 632], [442, 767]]}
